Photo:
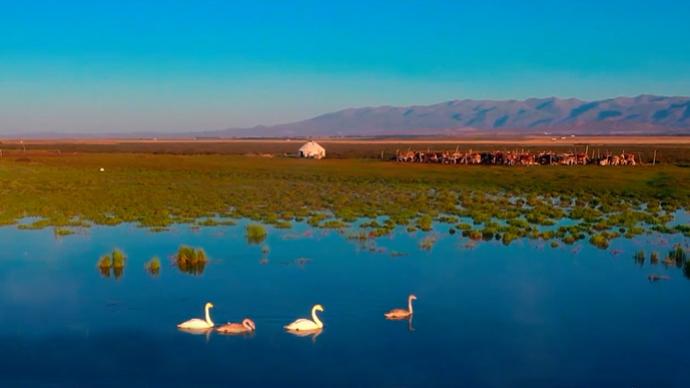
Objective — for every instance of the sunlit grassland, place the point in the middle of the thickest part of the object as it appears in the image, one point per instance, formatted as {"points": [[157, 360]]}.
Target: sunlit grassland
{"points": [[156, 191]]}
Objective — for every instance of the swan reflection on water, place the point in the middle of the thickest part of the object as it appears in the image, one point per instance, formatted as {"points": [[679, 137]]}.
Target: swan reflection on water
{"points": [[200, 332], [306, 333], [410, 326]]}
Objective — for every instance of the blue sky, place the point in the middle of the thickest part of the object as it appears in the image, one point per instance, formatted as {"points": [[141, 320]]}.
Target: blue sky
{"points": [[126, 66]]}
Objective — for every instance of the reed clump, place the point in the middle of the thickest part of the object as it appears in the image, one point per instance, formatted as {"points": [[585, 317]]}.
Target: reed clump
{"points": [[678, 256], [256, 233], [191, 260], [599, 240], [639, 257], [425, 223], [153, 266], [113, 263], [654, 258]]}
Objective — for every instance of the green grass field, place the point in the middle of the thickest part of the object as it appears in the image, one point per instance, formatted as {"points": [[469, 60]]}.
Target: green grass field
{"points": [[158, 190]]}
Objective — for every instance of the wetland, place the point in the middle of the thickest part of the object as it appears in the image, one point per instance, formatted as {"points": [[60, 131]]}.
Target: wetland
{"points": [[561, 275]]}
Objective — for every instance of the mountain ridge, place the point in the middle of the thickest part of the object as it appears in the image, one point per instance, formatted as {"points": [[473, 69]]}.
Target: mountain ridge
{"points": [[643, 114]]}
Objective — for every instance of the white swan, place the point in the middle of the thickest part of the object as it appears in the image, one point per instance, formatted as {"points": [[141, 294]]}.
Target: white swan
{"points": [[304, 324], [199, 324]]}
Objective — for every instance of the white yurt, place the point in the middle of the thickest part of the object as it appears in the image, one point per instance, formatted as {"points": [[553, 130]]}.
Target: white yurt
{"points": [[312, 149]]}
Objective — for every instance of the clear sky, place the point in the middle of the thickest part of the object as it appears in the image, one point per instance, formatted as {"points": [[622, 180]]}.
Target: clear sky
{"points": [[124, 66]]}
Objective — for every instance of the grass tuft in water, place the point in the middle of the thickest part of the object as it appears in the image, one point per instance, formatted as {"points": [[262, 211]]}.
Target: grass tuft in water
{"points": [[678, 256], [600, 241], [154, 266], [639, 257], [508, 238], [256, 233], [654, 258], [113, 263], [60, 232], [118, 259], [104, 265], [425, 223], [191, 260]]}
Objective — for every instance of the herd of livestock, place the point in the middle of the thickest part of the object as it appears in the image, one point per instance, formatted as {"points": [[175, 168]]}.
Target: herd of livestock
{"points": [[516, 158]]}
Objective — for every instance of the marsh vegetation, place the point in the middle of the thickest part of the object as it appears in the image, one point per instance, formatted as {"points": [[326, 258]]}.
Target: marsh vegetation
{"points": [[112, 264], [256, 233], [153, 266], [191, 260], [484, 203]]}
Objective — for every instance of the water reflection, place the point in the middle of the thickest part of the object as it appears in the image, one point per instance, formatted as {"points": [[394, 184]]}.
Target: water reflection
{"points": [[656, 277], [410, 326], [192, 268], [247, 334], [538, 312], [198, 332], [206, 332], [115, 272], [105, 271], [306, 333]]}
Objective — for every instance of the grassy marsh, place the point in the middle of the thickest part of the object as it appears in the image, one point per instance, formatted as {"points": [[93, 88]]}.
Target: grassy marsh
{"points": [[504, 203]]}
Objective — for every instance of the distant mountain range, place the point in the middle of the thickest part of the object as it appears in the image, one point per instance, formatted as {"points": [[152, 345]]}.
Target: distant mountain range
{"points": [[645, 114], [641, 115]]}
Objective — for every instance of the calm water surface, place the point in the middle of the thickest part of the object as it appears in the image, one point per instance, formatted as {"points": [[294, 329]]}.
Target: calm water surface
{"points": [[488, 315]]}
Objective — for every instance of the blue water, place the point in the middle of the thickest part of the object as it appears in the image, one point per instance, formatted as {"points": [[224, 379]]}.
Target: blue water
{"points": [[488, 315]]}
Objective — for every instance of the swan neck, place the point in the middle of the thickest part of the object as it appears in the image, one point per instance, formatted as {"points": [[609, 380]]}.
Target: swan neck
{"points": [[208, 316], [409, 305], [315, 318]]}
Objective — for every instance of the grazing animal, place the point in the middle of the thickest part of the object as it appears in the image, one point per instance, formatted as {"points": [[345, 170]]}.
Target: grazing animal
{"points": [[406, 156], [304, 324], [581, 159], [526, 159], [199, 324], [629, 159], [247, 326], [513, 158], [396, 314], [567, 159]]}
